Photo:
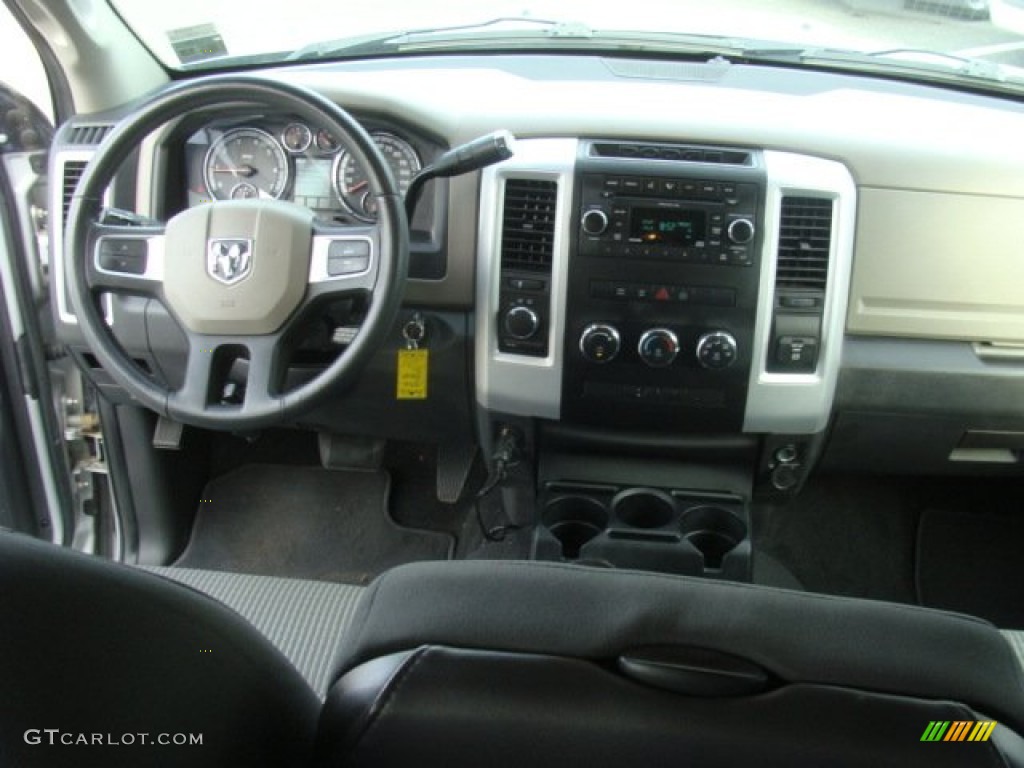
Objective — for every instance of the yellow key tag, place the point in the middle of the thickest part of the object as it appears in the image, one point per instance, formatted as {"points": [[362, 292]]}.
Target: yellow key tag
{"points": [[413, 365]]}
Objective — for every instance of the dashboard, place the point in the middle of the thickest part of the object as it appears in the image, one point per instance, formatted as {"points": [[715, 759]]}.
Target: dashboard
{"points": [[677, 251]]}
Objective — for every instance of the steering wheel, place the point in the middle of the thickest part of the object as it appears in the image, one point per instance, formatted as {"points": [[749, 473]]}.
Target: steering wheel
{"points": [[237, 274]]}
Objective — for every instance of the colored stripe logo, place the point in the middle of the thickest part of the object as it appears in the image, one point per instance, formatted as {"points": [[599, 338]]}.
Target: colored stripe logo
{"points": [[958, 730]]}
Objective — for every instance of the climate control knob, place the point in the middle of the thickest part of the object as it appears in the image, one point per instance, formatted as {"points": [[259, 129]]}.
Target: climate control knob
{"points": [[658, 347], [594, 222], [521, 323], [600, 343], [717, 350], [740, 231]]}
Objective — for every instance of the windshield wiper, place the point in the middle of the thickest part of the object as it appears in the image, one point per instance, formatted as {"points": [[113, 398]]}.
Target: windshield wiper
{"points": [[377, 43]]}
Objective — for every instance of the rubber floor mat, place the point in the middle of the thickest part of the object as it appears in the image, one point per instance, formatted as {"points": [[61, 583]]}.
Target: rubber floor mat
{"points": [[972, 563], [304, 522]]}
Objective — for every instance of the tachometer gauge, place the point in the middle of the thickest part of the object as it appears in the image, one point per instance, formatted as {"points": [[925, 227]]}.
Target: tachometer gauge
{"points": [[246, 162], [351, 182]]}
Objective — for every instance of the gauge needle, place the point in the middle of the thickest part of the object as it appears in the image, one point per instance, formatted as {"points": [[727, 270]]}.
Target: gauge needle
{"points": [[242, 170], [359, 186]]}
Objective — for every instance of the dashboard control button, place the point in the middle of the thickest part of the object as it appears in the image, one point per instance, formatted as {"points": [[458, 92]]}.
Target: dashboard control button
{"points": [[529, 285], [521, 322], [595, 221], [716, 350], [740, 231], [599, 343], [797, 353], [658, 347]]}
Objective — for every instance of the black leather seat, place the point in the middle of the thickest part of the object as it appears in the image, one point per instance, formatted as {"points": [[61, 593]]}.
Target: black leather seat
{"points": [[99, 663], [512, 664]]}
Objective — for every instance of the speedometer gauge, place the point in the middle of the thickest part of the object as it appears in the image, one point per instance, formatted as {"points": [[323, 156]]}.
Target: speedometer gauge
{"points": [[246, 162], [353, 186]]}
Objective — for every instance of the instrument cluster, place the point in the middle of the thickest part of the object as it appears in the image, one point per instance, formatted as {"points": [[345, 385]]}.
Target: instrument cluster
{"points": [[292, 160]]}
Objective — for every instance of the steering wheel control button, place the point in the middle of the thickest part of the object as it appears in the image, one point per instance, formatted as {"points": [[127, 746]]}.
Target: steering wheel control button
{"points": [[122, 254], [347, 257], [521, 323], [716, 350], [658, 347], [600, 343]]}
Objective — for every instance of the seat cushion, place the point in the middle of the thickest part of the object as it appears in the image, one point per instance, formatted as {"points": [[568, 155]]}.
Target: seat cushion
{"points": [[600, 614], [306, 620]]}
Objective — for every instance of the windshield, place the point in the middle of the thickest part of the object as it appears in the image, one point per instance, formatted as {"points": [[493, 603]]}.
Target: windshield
{"points": [[970, 38]]}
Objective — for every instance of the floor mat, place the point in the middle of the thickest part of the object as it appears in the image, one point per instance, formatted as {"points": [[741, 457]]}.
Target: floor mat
{"points": [[972, 563], [844, 535], [304, 522]]}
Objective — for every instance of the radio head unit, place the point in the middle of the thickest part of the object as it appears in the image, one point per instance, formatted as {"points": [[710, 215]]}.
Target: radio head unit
{"points": [[702, 221]]}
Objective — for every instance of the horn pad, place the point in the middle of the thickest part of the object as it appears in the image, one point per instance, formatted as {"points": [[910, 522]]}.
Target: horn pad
{"points": [[238, 267]]}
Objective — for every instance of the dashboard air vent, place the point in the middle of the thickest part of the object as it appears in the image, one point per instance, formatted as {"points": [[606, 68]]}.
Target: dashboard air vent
{"points": [[805, 235], [90, 134], [73, 170], [676, 152], [528, 226]]}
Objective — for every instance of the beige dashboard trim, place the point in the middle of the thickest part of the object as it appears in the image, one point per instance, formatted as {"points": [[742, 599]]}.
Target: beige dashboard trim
{"points": [[938, 265]]}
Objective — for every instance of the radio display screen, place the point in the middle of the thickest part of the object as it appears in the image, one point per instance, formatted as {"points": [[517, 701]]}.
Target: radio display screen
{"points": [[667, 226]]}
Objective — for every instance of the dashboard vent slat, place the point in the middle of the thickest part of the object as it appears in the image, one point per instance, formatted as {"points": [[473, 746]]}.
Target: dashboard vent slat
{"points": [[528, 225], [805, 237], [73, 170], [89, 134]]}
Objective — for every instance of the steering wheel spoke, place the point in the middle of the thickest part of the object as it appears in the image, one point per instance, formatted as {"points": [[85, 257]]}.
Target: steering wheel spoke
{"points": [[125, 259], [227, 374], [263, 382], [343, 260]]}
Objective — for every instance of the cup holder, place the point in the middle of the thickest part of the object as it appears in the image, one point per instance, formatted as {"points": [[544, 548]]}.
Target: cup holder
{"points": [[644, 508], [573, 521], [714, 531]]}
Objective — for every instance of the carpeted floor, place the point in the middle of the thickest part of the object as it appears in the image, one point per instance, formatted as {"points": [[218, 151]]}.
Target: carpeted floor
{"points": [[971, 562], [845, 535], [304, 522]]}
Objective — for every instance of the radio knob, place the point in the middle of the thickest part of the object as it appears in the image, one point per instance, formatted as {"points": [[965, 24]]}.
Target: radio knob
{"points": [[717, 350], [740, 231], [599, 343], [658, 347], [521, 323], [595, 221]]}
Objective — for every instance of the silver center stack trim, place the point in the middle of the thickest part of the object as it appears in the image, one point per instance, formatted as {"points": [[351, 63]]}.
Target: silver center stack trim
{"points": [[519, 384], [801, 403]]}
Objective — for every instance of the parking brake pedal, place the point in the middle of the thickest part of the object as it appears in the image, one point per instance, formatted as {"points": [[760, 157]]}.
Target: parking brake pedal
{"points": [[167, 434]]}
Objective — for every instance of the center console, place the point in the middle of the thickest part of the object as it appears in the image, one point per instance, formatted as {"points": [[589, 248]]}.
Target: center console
{"points": [[662, 291], [662, 323]]}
